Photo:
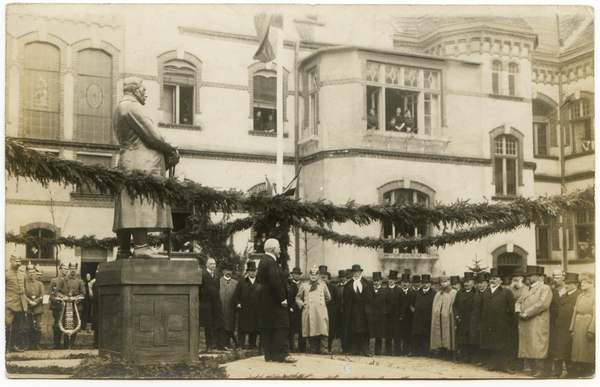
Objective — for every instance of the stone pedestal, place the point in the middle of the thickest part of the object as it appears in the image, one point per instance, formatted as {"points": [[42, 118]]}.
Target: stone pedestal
{"points": [[148, 310]]}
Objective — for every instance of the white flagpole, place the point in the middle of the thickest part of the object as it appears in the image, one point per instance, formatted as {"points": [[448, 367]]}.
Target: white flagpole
{"points": [[280, 97]]}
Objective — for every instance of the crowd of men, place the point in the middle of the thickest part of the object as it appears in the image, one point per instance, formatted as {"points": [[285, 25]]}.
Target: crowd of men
{"points": [[526, 322]]}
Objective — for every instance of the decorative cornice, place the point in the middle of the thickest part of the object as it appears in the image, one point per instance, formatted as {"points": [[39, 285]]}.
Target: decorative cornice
{"points": [[541, 157], [340, 81], [266, 134], [179, 126], [580, 176], [234, 156], [546, 179], [98, 203], [581, 154], [57, 144], [225, 86], [145, 77]]}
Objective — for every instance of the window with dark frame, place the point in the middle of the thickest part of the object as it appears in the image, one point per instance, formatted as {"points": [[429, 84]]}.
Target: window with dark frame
{"points": [[265, 101], [585, 234], [35, 251], [178, 97], [505, 164], [542, 242], [94, 97], [581, 116], [394, 230], [313, 102], [496, 68], [513, 69]]}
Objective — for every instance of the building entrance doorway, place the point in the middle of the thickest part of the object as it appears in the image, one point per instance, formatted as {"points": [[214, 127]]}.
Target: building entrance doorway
{"points": [[507, 263]]}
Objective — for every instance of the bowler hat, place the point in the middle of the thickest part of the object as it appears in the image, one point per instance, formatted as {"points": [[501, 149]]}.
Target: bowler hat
{"points": [[356, 267], [296, 270], [469, 275], [534, 270], [571, 277], [226, 266], [393, 275], [342, 273], [483, 276], [518, 272], [348, 273], [495, 273], [454, 279], [405, 277], [416, 279], [425, 278], [322, 269], [377, 276], [251, 265]]}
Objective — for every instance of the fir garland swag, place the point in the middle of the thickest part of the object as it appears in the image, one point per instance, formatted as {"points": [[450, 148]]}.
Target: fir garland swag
{"points": [[276, 214]]}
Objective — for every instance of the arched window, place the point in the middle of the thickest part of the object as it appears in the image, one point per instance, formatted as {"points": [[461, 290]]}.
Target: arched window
{"points": [[496, 68], [41, 92], [392, 230], [581, 124], [506, 154], [513, 69], [35, 251], [178, 97], [265, 101], [95, 96]]}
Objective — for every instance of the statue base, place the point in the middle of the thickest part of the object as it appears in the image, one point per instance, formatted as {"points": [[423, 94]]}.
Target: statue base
{"points": [[148, 310]]}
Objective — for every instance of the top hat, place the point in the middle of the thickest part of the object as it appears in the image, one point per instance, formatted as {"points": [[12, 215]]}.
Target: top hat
{"points": [[377, 276], [494, 272], [296, 270], [571, 277], [322, 269], [483, 276], [416, 279], [342, 273], [518, 272], [393, 275], [425, 278], [469, 275], [356, 267], [405, 277], [454, 279], [534, 270], [251, 265]]}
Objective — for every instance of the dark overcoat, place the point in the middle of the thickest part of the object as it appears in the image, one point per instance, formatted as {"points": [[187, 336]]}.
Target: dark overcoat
{"points": [[379, 320], [273, 291], [96, 307], [226, 291], [475, 329], [405, 313], [462, 308], [354, 305], [392, 311], [562, 337], [211, 309], [295, 311], [497, 317], [423, 304], [554, 312], [332, 307], [246, 294]]}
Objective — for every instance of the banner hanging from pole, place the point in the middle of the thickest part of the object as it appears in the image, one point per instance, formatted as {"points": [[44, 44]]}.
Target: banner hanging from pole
{"points": [[267, 27]]}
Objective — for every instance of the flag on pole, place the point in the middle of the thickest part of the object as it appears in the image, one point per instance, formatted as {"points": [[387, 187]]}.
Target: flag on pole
{"points": [[269, 187], [290, 190], [266, 27]]}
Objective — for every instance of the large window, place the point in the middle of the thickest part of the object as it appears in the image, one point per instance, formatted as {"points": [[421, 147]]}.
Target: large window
{"points": [[581, 123], [94, 97], [392, 230], [313, 102], [505, 164], [513, 69], [41, 92], [403, 99], [584, 228], [178, 98], [496, 80], [265, 101], [35, 251]]}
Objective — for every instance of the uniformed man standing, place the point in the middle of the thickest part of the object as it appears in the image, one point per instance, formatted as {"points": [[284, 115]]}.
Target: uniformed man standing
{"points": [[34, 290], [331, 305], [442, 320], [76, 290], [58, 290], [15, 304]]}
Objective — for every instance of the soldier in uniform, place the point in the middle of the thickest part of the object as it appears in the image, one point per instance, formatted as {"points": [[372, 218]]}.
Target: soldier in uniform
{"points": [[421, 330], [379, 321], [463, 307], [442, 320], [312, 298], [15, 304], [246, 300], [392, 316], [34, 290], [76, 289], [58, 290], [405, 314], [295, 311]]}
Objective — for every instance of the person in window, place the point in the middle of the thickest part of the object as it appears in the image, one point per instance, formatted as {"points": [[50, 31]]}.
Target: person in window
{"points": [[409, 123], [372, 120], [399, 125], [258, 121], [270, 125]]}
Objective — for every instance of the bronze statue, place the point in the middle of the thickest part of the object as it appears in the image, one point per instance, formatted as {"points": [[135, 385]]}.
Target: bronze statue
{"points": [[144, 148]]}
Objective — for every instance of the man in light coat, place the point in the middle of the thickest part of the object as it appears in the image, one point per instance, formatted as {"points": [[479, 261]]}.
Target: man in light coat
{"points": [[226, 293], [533, 313], [312, 298], [442, 320]]}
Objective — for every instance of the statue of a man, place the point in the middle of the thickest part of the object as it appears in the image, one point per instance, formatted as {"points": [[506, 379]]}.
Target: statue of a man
{"points": [[142, 148]]}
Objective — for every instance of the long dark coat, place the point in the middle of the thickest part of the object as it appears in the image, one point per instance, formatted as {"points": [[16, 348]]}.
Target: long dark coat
{"points": [[392, 312], [423, 304], [273, 291], [497, 317], [246, 294], [463, 308], [475, 329], [211, 309], [226, 291], [339, 318], [332, 307], [358, 308], [562, 337], [296, 315], [405, 313], [379, 320], [96, 307], [554, 312]]}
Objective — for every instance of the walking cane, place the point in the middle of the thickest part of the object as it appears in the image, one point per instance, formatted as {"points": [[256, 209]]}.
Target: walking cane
{"points": [[169, 232]]}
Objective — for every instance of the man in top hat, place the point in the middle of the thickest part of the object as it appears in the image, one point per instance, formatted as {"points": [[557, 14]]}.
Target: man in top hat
{"points": [[58, 290], [497, 316], [483, 281], [274, 318], [344, 277], [562, 336], [405, 315], [416, 283], [533, 312], [245, 297], [312, 298], [332, 305], [76, 290], [143, 148], [226, 292], [518, 282], [463, 308], [15, 304], [392, 315], [295, 311], [211, 309], [34, 291], [455, 282], [442, 320], [358, 300], [421, 329], [379, 320]]}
